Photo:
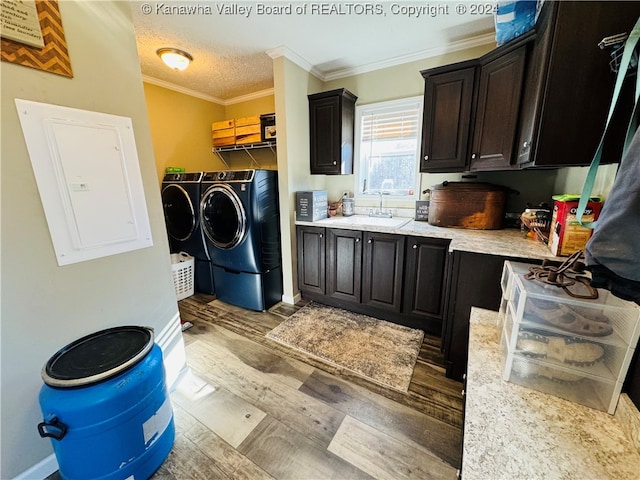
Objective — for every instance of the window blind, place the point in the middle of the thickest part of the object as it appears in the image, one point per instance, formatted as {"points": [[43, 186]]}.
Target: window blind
{"points": [[393, 124]]}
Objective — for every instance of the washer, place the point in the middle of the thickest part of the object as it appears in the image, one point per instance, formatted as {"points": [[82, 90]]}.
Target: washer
{"points": [[180, 200], [241, 223]]}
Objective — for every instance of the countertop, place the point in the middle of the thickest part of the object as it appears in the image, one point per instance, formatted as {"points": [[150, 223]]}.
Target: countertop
{"points": [[508, 242], [512, 432]]}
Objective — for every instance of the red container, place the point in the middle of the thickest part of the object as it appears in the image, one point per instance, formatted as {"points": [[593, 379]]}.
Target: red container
{"points": [[567, 235]]}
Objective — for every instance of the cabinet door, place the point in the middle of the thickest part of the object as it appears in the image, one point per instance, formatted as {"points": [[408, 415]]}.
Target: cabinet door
{"points": [[382, 270], [568, 85], [424, 276], [331, 130], [475, 282], [446, 120], [344, 264], [496, 118], [311, 259]]}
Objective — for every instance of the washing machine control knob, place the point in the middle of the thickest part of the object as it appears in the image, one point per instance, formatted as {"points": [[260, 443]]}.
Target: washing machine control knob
{"points": [[221, 175]]}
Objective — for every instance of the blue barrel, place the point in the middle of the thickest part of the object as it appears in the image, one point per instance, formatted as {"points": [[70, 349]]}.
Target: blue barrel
{"points": [[105, 406]]}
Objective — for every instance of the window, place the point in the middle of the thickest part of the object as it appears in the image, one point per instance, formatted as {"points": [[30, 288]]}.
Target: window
{"points": [[387, 148]]}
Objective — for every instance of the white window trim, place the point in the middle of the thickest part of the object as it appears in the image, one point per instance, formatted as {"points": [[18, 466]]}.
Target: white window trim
{"points": [[365, 109]]}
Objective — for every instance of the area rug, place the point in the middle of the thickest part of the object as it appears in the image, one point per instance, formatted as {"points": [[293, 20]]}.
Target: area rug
{"points": [[380, 351]]}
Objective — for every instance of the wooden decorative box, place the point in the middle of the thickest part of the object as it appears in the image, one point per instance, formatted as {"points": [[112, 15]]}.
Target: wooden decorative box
{"points": [[248, 130], [223, 133]]}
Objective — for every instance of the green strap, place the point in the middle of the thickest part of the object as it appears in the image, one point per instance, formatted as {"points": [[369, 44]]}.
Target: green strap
{"points": [[629, 47]]}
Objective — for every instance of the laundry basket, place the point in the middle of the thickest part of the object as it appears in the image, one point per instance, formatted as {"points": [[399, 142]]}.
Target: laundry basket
{"points": [[182, 265]]}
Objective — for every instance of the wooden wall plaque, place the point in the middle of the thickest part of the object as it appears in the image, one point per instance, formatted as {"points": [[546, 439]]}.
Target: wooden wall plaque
{"points": [[53, 57]]}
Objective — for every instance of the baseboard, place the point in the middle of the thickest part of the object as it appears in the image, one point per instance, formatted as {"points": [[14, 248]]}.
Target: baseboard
{"points": [[41, 470], [170, 341], [291, 300]]}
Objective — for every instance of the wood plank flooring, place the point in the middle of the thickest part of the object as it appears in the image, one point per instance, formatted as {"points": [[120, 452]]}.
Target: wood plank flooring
{"points": [[250, 408]]}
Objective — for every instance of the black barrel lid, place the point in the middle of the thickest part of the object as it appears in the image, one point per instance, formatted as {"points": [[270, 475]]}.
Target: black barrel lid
{"points": [[98, 356]]}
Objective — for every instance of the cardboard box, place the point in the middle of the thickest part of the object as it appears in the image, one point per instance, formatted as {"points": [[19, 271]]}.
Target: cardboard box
{"points": [[223, 133], [567, 235], [268, 126], [312, 205]]}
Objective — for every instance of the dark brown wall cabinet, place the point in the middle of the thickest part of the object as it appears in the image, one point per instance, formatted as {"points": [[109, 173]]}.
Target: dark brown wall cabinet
{"points": [[540, 100], [448, 96], [366, 272], [331, 125], [496, 117], [569, 85]]}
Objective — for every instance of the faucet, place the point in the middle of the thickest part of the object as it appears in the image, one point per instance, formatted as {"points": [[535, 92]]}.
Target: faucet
{"points": [[381, 213]]}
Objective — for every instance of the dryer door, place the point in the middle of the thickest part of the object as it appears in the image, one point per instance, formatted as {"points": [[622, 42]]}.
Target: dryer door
{"points": [[224, 220], [179, 212]]}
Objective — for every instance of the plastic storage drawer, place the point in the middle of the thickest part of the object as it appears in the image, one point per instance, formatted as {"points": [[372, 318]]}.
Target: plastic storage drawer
{"points": [[573, 348]]}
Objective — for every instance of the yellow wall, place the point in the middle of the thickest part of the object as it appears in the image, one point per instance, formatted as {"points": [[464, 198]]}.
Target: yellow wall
{"points": [[181, 129], [256, 158], [257, 106]]}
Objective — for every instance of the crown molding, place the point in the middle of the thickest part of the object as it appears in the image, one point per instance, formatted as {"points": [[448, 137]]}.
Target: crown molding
{"points": [[208, 98], [421, 55], [179, 89], [289, 54], [250, 96]]}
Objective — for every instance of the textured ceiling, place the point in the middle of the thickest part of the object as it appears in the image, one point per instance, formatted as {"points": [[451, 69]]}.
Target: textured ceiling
{"points": [[229, 41]]}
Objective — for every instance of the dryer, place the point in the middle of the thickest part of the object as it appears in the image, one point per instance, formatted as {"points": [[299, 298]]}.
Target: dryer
{"points": [[241, 224], [181, 194]]}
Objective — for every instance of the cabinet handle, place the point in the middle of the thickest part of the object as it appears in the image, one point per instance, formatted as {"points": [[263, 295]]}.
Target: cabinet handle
{"points": [[335, 163], [321, 235], [369, 241], [357, 240], [525, 144], [414, 246], [463, 393], [426, 157], [473, 156]]}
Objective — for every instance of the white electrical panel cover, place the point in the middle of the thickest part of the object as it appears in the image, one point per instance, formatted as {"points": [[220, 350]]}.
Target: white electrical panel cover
{"points": [[88, 175]]}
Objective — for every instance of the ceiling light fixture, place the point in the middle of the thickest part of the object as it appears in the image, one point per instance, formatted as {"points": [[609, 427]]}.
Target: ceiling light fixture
{"points": [[174, 58]]}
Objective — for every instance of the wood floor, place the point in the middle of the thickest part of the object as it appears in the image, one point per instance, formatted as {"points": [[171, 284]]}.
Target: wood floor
{"points": [[251, 408]]}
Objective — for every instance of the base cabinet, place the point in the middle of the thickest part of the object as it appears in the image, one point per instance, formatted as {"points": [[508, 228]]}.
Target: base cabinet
{"points": [[475, 282], [425, 281], [388, 276], [344, 264], [311, 259], [382, 271]]}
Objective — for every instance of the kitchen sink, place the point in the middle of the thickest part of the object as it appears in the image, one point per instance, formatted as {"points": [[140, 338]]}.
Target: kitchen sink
{"points": [[365, 220]]}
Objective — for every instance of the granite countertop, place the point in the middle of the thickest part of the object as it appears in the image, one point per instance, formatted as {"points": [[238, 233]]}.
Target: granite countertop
{"points": [[513, 432], [508, 242]]}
